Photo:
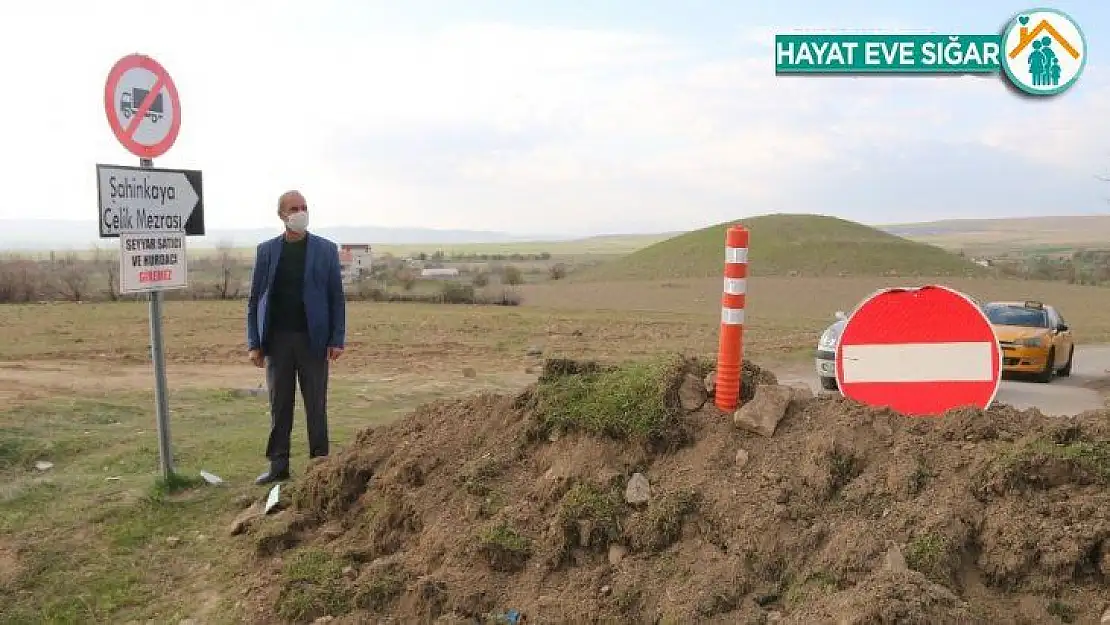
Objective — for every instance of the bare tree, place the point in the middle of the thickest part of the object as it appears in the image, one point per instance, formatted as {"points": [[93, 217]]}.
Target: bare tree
{"points": [[228, 287], [406, 277], [16, 283], [107, 264], [73, 275], [512, 276]]}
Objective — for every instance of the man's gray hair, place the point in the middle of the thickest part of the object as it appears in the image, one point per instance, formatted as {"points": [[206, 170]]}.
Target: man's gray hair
{"points": [[287, 194]]}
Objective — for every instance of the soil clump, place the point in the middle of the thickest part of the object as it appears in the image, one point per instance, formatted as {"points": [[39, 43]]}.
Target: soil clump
{"points": [[599, 495]]}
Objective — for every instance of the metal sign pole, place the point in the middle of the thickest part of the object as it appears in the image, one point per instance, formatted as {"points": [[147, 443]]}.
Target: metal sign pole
{"points": [[158, 355], [138, 94]]}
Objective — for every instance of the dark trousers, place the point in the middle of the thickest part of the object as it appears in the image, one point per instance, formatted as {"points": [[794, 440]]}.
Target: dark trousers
{"points": [[290, 361]]}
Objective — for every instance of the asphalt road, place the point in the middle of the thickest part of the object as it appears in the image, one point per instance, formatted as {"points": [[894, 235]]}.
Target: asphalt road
{"points": [[1087, 388]]}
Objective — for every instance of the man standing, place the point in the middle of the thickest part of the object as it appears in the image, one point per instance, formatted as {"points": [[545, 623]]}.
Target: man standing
{"points": [[296, 325]]}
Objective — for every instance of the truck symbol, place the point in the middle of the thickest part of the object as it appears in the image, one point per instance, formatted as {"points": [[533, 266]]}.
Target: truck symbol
{"points": [[130, 102]]}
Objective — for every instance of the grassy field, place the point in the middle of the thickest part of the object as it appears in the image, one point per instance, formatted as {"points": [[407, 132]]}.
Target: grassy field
{"points": [[999, 236], [783, 314], [605, 245], [93, 539], [787, 245]]}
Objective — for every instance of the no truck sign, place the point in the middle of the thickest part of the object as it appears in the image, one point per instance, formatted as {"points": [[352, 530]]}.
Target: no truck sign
{"points": [[142, 105]]}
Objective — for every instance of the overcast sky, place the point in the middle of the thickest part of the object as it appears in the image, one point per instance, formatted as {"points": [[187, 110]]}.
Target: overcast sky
{"points": [[545, 115]]}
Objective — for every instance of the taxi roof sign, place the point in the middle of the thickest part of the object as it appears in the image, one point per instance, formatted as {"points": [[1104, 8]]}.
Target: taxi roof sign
{"points": [[1034, 304]]}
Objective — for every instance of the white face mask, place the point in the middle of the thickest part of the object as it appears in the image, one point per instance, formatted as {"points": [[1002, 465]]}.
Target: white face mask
{"points": [[297, 222]]}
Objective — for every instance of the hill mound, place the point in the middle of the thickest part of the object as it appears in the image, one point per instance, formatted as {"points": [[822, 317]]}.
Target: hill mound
{"points": [[808, 245], [608, 495]]}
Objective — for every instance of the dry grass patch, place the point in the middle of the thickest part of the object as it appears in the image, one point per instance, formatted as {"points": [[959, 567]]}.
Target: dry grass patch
{"points": [[792, 311]]}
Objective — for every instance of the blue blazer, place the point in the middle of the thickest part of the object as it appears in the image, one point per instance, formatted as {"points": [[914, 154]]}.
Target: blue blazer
{"points": [[324, 302]]}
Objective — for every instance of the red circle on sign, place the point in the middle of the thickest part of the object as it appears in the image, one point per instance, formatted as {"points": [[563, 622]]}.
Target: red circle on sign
{"points": [[919, 351], [126, 137]]}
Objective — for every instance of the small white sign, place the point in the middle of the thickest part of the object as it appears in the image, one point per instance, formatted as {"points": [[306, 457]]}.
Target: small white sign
{"points": [[152, 261], [272, 498]]}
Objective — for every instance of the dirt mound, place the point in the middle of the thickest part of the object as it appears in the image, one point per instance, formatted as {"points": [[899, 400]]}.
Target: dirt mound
{"points": [[595, 496]]}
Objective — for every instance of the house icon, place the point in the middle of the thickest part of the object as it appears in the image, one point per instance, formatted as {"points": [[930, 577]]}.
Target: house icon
{"points": [[1027, 36]]}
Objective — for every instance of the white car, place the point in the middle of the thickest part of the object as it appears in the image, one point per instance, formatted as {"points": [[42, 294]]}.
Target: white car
{"points": [[825, 359]]}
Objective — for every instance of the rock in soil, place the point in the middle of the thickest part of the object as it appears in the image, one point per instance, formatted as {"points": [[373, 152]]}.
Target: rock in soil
{"points": [[802, 393], [741, 458], [256, 511], [617, 553], [253, 391], [638, 490], [894, 560], [711, 383], [767, 407], [691, 395]]}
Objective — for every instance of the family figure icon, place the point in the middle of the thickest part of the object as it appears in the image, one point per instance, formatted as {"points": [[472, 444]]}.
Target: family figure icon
{"points": [[1045, 52], [1044, 67]]}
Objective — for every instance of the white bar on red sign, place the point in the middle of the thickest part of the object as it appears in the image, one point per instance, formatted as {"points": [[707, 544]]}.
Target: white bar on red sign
{"points": [[920, 362]]}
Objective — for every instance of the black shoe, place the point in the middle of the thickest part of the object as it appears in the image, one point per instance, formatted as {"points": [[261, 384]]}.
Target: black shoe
{"points": [[271, 476]]}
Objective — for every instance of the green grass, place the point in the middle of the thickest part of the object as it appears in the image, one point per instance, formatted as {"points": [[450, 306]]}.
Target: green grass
{"points": [[587, 508], [313, 586], [928, 554], [633, 401], [175, 483], [504, 547], [1066, 613], [784, 244], [1089, 459], [661, 526], [101, 539], [1092, 457]]}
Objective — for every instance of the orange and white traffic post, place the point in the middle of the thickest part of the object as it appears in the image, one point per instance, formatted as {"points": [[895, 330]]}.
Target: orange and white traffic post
{"points": [[730, 352]]}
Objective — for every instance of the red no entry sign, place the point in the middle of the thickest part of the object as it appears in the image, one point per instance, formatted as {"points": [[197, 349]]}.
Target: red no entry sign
{"points": [[919, 351], [142, 105]]}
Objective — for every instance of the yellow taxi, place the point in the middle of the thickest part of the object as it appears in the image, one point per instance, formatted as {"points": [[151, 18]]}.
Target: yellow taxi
{"points": [[1034, 337]]}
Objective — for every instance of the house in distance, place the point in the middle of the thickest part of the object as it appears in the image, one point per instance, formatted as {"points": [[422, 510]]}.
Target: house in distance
{"points": [[356, 260]]}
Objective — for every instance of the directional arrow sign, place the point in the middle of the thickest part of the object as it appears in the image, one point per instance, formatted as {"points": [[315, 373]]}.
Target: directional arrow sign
{"points": [[149, 200]]}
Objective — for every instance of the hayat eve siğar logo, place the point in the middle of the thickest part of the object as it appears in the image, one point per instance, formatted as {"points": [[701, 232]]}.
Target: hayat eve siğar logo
{"points": [[1044, 51]]}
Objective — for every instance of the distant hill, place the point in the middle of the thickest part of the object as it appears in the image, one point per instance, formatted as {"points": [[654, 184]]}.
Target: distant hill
{"points": [[992, 236], [46, 234], [784, 244], [974, 236], [41, 235]]}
